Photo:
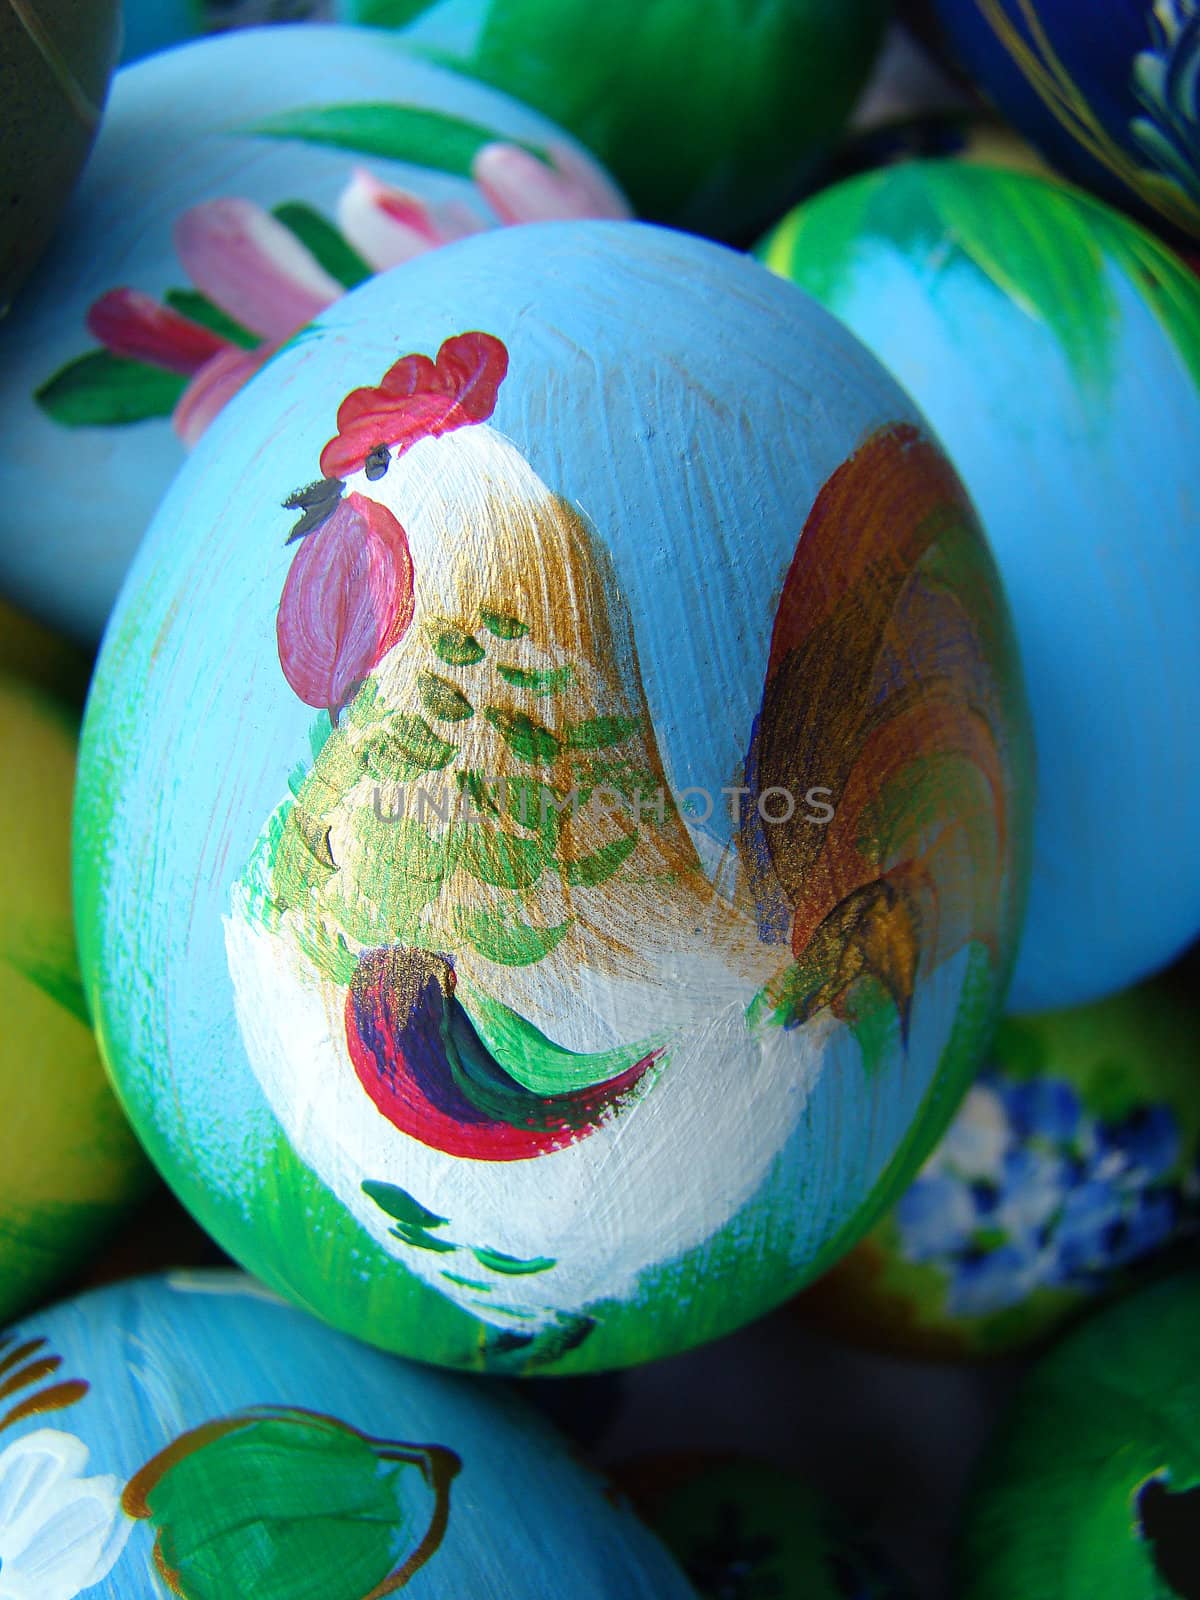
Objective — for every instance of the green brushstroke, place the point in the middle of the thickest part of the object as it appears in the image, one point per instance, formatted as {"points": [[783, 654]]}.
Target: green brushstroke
{"points": [[587, 872], [502, 859], [528, 740], [420, 1240], [339, 259], [511, 1266], [100, 390], [538, 1063], [442, 699], [599, 733], [404, 747], [200, 309], [400, 1205], [550, 681], [509, 943], [412, 134], [452, 644], [503, 625]]}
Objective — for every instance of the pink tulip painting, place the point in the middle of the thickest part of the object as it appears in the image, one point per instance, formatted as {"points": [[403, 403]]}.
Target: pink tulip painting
{"points": [[257, 278]]}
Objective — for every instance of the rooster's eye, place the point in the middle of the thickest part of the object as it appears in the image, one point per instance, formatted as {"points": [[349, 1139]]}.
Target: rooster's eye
{"points": [[377, 462]]}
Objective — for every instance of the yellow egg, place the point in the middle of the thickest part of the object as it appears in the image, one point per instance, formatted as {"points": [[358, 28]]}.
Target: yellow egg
{"points": [[69, 1163]]}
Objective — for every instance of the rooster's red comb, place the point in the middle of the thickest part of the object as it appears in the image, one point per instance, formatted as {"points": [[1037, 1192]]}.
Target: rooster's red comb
{"points": [[418, 399]]}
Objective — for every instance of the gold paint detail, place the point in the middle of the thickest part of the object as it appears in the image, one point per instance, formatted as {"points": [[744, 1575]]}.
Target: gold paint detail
{"points": [[1059, 93], [28, 1364]]}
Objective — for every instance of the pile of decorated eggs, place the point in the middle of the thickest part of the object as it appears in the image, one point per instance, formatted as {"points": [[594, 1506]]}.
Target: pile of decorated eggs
{"points": [[625, 782]]}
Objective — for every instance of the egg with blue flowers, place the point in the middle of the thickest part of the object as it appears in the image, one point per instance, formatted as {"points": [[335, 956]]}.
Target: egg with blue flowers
{"points": [[1111, 99], [192, 1437], [240, 185], [570, 850], [1055, 348], [1072, 1166]]}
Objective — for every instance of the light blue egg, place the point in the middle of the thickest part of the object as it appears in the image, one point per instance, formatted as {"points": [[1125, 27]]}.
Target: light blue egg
{"points": [[190, 1437], [597, 515], [93, 429], [1055, 348]]}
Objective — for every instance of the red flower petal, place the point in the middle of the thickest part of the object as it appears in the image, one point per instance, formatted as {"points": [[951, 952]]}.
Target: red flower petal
{"points": [[347, 600], [418, 399], [133, 325]]}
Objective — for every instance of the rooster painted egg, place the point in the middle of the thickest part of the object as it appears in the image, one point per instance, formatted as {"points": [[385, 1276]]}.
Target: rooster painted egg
{"points": [[70, 1167], [1073, 1163], [1055, 347], [1091, 1485], [552, 827], [239, 186], [55, 64], [191, 1437], [1114, 106]]}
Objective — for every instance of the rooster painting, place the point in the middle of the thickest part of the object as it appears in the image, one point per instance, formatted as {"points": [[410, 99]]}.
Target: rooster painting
{"points": [[534, 1024]]}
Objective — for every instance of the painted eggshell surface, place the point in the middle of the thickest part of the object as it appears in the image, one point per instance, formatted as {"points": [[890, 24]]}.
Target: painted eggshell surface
{"points": [[1055, 348], [240, 184], [708, 112], [1073, 1160], [56, 58], [555, 803], [192, 1438], [69, 1164], [1111, 96], [746, 1528], [1092, 1486]]}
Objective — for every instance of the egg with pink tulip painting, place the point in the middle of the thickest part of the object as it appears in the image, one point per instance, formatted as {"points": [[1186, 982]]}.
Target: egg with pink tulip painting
{"points": [[554, 800], [240, 185]]}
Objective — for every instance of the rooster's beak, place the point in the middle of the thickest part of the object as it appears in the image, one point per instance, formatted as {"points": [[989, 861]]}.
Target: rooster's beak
{"points": [[315, 503]]}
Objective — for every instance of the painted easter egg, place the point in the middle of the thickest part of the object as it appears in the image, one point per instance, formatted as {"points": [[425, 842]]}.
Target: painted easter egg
{"points": [[1073, 1161], [1092, 1486], [1112, 101], [190, 1437], [1055, 347], [745, 1528], [709, 115], [56, 58], [240, 185], [555, 793], [69, 1164]]}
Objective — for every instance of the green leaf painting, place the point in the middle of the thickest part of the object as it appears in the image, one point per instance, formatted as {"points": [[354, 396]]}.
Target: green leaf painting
{"points": [[325, 243], [1048, 248], [199, 308], [100, 390], [411, 134], [233, 1505]]}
